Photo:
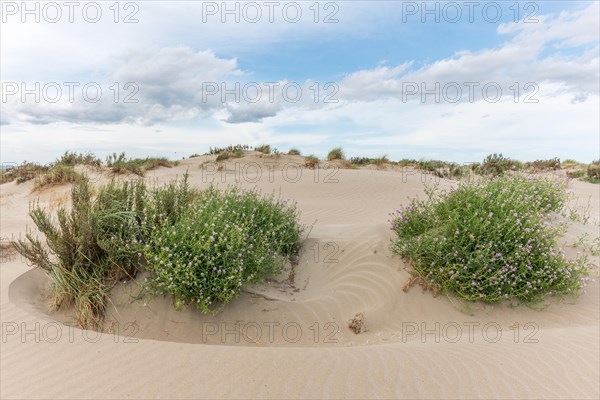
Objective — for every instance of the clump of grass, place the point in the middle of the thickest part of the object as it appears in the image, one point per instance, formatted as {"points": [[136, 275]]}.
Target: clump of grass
{"points": [[72, 159], [576, 174], [490, 240], [335, 154], [593, 172], [361, 161], [263, 148], [99, 241], [59, 174], [227, 239], [225, 155], [120, 164], [311, 162], [23, 173], [497, 164], [234, 149], [406, 162], [551, 164], [294, 152], [442, 169]]}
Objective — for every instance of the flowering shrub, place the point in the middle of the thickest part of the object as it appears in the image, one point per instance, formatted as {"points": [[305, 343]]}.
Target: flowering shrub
{"points": [[100, 240], [490, 240], [227, 239]]}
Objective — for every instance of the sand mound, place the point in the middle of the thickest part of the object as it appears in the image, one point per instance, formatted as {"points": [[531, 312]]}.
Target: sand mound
{"points": [[289, 337]]}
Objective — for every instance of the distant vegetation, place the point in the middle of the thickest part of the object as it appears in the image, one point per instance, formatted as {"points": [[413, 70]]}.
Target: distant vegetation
{"points": [[336, 154], [120, 164], [264, 148], [311, 162]]}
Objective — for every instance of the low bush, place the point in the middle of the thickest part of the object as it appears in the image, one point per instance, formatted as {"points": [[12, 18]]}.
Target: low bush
{"points": [[234, 149], [23, 173], [264, 148], [335, 154], [311, 162], [294, 152], [490, 240], [593, 172], [72, 159], [361, 161], [497, 164], [227, 239], [99, 241], [543, 165], [576, 174], [59, 174], [120, 164]]}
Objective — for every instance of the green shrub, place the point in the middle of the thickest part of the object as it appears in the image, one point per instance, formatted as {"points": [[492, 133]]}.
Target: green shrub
{"points": [[225, 155], [89, 248], [237, 149], [23, 173], [264, 148], [120, 164], [489, 241], [497, 164], [544, 165], [405, 162], [336, 154], [576, 174], [59, 174], [311, 162], [593, 172], [294, 152], [72, 159], [227, 239], [380, 161]]}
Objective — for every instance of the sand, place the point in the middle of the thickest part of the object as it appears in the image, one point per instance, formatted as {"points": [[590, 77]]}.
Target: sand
{"points": [[289, 338]]}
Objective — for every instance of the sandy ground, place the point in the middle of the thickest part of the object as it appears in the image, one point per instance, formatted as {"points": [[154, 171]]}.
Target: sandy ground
{"points": [[289, 338]]}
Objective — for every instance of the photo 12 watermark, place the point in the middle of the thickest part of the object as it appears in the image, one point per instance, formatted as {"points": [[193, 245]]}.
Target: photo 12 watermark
{"points": [[252, 12], [69, 92], [271, 171], [52, 12], [269, 92], [453, 12]]}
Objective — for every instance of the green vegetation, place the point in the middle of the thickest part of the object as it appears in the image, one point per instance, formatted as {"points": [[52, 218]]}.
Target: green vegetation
{"points": [[442, 169], [576, 174], [226, 240], [361, 161], [294, 152], [57, 175], [72, 159], [543, 165], [264, 148], [593, 172], [497, 164], [23, 173], [120, 164], [489, 240], [183, 237], [238, 149], [311, 162], [335, 154], [100, 241]]}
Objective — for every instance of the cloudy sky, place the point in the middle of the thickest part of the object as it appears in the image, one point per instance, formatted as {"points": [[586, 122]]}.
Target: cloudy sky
{"points": [[445, 80]]}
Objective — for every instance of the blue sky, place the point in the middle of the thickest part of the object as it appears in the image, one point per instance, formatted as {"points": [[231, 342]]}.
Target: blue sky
{"points": [[377, 57]]}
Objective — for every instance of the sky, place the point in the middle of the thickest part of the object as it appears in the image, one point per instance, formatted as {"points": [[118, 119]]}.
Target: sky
{"points": [[450, 80]]}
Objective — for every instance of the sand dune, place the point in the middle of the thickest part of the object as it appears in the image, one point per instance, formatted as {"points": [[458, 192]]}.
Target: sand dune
{"points": [[289, 338]]}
